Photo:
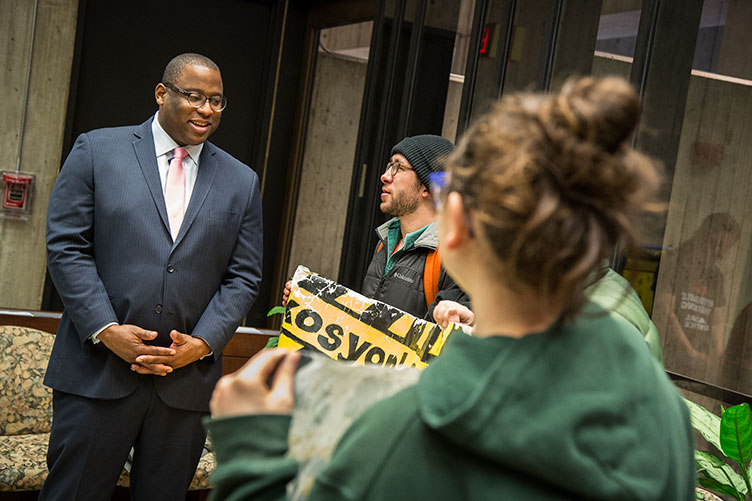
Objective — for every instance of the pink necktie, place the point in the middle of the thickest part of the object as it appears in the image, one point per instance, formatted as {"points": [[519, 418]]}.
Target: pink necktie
{"points": [[175, 191]]}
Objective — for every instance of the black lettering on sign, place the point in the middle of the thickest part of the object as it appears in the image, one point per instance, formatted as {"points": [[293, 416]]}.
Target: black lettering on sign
{"points": [[404, 357], [333, 339], [375, 356], [424, 350], [391, 360], [353, 350], [313, 326], [295, 338], [290, 305], [412, 336], [379, 316]]}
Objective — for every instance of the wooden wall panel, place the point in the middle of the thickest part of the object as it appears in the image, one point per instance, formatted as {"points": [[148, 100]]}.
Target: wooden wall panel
{"points": [[703, 282]]}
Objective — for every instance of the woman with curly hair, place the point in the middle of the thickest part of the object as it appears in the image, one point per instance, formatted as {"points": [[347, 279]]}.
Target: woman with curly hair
{"points": [[550, 398]]}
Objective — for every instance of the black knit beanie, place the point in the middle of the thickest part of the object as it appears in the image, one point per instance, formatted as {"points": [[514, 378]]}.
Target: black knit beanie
{"points": [[426, 153]]}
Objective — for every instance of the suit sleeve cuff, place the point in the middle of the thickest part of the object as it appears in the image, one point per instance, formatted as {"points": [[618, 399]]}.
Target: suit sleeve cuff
{"points": [[94, 337], [211, 350]]}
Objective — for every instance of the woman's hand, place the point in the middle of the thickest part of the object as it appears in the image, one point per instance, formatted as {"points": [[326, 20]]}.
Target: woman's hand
{"points": [[264, 385]]}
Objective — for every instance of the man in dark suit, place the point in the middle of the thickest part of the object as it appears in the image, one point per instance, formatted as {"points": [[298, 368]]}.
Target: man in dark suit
{"points": [[154, 242]]}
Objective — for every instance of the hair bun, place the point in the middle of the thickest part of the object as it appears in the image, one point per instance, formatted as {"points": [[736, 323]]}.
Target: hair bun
{"points": [[603, 111], [553, 183]]}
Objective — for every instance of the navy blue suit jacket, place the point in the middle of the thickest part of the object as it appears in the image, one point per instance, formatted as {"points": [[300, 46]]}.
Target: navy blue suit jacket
{"points": [[112, 259]]}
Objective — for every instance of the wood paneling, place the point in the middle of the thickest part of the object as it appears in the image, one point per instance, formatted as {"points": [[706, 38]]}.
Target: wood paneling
{"points": [[46, 321], [244, 344], [703, 284]]}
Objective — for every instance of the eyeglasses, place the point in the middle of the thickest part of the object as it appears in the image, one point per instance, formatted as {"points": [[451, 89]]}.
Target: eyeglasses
{"points": [[216, 103], [393, 167], [437, 181]]}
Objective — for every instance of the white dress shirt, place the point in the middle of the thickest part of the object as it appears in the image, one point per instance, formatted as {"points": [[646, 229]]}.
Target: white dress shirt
{"points": [[163, 145]]}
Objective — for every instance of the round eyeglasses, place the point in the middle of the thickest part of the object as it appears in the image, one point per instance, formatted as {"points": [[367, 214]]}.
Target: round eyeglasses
{"points": [[197, 100], [393, 167]]}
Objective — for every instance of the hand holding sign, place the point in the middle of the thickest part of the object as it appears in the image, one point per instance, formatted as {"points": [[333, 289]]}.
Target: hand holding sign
{"points": [[451, 311], [325, 316]]}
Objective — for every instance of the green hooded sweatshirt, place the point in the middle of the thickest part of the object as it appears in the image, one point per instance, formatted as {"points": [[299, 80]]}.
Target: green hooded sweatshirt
{"points": [[581, 411]]}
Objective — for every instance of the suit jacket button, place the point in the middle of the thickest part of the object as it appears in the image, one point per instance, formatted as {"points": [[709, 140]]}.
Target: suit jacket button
{"points": [[158, 309], [170, 268]]}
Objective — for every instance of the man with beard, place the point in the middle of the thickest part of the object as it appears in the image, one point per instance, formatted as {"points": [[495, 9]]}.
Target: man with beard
{"points": [[396, 273], [408, 243]]}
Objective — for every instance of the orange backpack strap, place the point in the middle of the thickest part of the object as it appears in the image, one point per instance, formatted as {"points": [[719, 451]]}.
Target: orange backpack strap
{"points": [[431, 274]]}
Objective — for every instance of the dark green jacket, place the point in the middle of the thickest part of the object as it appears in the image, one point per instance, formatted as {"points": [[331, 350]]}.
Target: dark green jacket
{"points": [[615, 294], [576, 412], [402, 287]]}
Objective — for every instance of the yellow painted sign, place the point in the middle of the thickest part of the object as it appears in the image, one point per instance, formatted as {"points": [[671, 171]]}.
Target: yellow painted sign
{"points": [[328, 317]]}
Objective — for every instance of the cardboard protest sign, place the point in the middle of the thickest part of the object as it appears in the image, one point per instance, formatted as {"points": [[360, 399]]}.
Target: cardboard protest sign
{"points": [[330, 318]]}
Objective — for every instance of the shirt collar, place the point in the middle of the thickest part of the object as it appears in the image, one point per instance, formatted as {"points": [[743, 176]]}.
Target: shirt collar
{"points": [[164, 144]]}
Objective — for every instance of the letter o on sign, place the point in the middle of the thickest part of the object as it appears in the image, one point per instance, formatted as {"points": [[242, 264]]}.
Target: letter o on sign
{"points": [[375, 356], [304, 324]]}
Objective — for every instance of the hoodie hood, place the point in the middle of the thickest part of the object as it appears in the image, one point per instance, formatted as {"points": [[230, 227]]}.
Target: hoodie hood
{"points": [[581, 402]]}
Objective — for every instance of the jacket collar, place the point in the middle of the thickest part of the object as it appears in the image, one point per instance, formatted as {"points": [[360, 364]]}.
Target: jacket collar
{"points": [[143, 145], [428, 239]]}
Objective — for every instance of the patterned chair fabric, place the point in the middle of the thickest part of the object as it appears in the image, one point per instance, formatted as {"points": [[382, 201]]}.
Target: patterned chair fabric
{"points": [[26, 413], [23, 465], [25, 403], [25, 407]]}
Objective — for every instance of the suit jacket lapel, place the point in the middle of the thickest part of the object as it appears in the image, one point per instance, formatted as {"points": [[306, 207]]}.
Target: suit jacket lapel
{"points": [[147, 160], [207, 170]]}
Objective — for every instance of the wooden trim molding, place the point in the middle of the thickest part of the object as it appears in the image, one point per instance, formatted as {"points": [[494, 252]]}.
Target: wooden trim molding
{"points": [[246, 342]]}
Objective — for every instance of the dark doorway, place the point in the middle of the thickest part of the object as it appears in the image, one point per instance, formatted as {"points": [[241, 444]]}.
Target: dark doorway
{"points": [[411, 56], [121, 51], [123, 48]]}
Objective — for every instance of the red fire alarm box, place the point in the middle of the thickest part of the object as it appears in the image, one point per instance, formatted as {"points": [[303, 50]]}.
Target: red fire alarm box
{"points": [[17, 189]]}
